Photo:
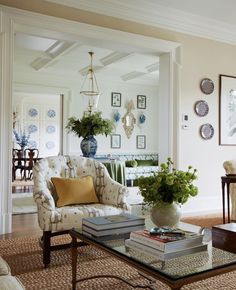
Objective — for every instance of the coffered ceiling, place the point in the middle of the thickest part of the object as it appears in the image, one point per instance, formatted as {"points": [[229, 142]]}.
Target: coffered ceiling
{"points": [[39, 55]]}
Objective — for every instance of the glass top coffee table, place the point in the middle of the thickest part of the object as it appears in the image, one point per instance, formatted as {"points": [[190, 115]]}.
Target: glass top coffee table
{"points": [[174, 272]]}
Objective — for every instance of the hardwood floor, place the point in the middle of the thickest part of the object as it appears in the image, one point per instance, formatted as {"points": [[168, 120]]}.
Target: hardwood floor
{"points": [[23, 224]]}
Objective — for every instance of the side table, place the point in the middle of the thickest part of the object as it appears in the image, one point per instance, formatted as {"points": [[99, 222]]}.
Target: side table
{"points": [[226, 180]]}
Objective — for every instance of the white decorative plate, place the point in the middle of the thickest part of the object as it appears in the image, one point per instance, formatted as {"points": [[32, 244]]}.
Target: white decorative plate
{"points": [[206, 131], [201, 108], [51, 113], [33, 112]]}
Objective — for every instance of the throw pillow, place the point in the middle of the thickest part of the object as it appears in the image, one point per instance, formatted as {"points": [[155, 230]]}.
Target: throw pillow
{"points": [[131, 163], [74, 190], [147, 162]]}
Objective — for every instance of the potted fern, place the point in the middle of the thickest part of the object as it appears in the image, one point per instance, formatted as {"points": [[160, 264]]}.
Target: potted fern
{"points": [[88, 126]]}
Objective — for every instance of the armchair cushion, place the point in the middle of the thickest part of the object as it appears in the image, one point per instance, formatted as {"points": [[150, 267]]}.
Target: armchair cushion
{"points": [[4, 268], [74, 190]]}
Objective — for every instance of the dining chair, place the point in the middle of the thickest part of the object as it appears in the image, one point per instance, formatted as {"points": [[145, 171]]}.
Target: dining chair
{"points": [[17, 163], [31, 156]]}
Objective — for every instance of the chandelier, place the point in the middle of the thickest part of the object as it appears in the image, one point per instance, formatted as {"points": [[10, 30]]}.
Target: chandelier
{"points": [[90, 87]]}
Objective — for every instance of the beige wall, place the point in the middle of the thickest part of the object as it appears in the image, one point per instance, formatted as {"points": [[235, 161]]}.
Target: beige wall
{"points": [[201, 58]]}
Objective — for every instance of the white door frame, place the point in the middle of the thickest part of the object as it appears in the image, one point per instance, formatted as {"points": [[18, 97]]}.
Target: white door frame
{"points": [[12, 20]]}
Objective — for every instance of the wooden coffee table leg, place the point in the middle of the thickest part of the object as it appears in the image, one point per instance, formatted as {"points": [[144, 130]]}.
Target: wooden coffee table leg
{"points": [[74, 261]]}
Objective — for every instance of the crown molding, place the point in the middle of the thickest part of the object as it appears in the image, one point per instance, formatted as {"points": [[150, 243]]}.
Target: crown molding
{"points": [[150, 13]]}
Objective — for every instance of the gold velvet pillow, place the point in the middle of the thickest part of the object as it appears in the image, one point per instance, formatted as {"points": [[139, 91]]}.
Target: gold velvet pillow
{"points": [[74, 190]]}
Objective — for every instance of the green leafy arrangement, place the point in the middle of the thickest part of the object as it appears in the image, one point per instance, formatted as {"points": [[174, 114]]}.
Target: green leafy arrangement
{"points": [[90, 125], [168, 185]]}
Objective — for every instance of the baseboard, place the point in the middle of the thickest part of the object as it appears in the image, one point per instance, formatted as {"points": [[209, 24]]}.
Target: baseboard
{"points": [[200, 206], [6, 223]]}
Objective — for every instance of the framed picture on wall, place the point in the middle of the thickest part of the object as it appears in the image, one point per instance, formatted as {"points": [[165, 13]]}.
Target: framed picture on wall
{"points": [[227, 110], [116, 99], [141, 142], [141, 102], [115, 141]]}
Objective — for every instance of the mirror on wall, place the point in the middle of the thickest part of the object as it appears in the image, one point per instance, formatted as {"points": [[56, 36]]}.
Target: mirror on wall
{"points": [[129, 119]]}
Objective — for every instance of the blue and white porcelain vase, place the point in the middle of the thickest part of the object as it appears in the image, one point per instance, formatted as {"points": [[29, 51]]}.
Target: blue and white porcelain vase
{"points": [[89, 146]]}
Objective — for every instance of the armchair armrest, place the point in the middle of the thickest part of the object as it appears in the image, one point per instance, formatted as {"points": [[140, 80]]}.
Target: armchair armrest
{"points": [[114, 193], [47, 211]]}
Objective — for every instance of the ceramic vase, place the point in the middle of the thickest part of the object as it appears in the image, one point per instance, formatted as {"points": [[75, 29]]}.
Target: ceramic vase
{"points": [[165, 215], [89, 146]]}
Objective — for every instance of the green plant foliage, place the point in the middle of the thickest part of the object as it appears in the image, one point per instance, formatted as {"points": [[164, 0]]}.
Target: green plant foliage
{"points": [[168, 185], [90, 125]]}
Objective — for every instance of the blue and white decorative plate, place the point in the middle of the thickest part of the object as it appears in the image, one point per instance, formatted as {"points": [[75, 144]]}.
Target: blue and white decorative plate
{"points": [[50, 145], [32, 128], [32, 144], [33, 112], [51, 129], [51, 113]]}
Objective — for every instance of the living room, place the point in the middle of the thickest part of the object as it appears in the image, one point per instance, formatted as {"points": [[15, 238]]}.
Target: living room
{"points": [[199, 56]]}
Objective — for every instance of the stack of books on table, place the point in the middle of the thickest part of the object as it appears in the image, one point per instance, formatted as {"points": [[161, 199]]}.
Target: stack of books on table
{"points": [[166, 246], [105, 227]]}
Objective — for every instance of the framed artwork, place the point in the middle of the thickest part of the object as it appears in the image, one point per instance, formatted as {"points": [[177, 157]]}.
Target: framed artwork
{"points": [[116, 99], [141, 102], [115, 141], [227, 110], [141, 142]]}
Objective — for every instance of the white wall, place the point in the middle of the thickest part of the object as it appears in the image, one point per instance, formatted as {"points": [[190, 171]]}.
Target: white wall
{"points": [[128, 92], [78, 104]]}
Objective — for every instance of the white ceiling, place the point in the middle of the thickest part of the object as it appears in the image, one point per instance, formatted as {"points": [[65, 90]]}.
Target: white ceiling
{"points": [[69, 58], [213, 19]]}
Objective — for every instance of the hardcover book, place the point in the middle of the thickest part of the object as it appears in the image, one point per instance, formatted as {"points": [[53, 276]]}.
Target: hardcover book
{"points": [[115, 231], [113, 221], [160, 255], [167, 243]]}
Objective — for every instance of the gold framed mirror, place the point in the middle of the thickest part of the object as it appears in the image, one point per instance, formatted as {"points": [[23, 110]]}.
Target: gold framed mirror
{"points": [[129, 120]]}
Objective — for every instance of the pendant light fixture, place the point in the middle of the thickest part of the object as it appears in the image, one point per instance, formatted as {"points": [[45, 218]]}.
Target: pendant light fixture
{"points": [[90, 87]]}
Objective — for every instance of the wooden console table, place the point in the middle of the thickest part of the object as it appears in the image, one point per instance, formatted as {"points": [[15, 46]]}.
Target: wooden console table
{"points": [[226, 180]]}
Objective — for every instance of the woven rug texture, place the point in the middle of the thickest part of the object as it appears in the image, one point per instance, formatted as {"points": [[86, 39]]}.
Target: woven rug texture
{"points": [[25, 259]]}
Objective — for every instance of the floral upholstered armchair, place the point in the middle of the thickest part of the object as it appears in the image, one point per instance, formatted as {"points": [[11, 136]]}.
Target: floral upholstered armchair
{"points": [[55, 220]]}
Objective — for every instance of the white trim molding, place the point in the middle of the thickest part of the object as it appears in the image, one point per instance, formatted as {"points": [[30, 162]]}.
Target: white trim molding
{"points": [[151, 13], [6, 64]]}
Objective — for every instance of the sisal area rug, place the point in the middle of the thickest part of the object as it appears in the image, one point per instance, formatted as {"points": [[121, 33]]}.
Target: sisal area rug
{"points": [[25, 259]]}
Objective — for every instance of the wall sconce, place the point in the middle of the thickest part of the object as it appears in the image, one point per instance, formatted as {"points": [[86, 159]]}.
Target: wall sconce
{"points": [[116, 117], [142, 119]]}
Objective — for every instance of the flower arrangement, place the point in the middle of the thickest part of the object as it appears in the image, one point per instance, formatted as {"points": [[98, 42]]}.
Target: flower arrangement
{"points": [[168, 185], [22, 138], [90, 125]]}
